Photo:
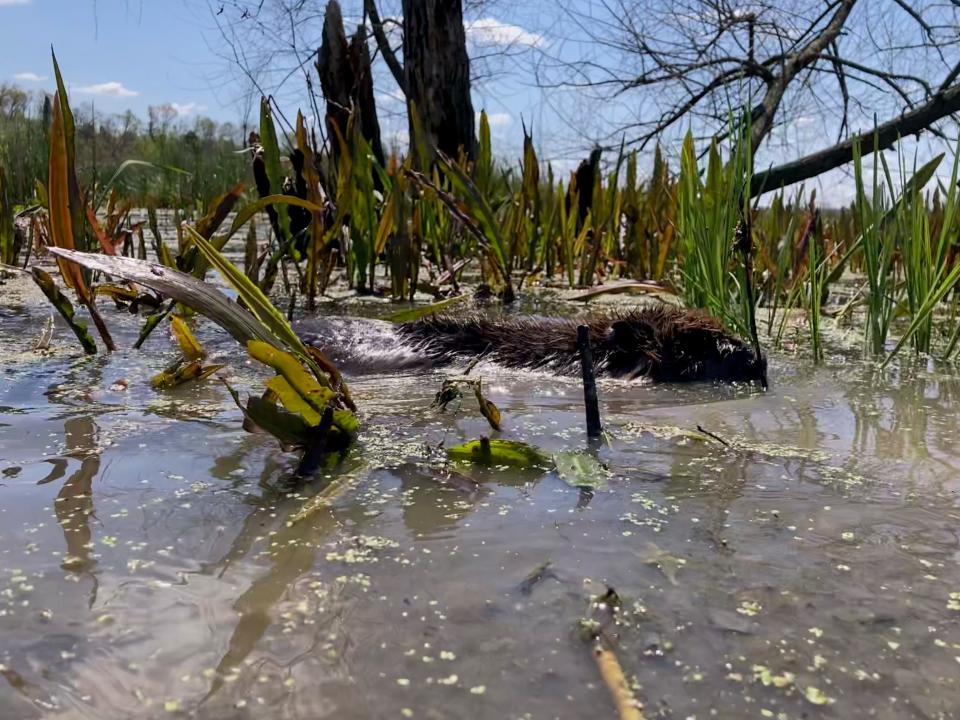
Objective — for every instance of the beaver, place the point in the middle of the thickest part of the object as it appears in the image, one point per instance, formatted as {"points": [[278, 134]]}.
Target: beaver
{"points": [[660, 344]]}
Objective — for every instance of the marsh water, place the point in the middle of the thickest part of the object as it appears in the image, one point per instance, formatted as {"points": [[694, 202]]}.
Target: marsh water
{"points": [[809, 568]]}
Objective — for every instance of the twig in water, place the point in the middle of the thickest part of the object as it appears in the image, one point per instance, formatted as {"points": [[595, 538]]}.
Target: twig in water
{"points": [[716, 437], [477, 360]]}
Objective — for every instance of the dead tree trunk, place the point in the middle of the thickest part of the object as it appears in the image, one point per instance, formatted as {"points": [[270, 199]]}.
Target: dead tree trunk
{"points": [[437, 73], [347, 83], [363, 100]]}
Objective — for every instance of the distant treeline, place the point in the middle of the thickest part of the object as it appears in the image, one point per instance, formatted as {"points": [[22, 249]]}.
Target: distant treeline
{"points": [[207, 152]]}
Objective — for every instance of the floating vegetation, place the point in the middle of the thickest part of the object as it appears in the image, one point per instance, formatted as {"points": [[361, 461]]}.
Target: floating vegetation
{"points": [[581, 470], [486, 451]]}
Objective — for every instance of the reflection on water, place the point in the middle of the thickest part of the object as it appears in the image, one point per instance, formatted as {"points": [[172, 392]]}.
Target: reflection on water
{"points": [[151, 567], [74, 503]]}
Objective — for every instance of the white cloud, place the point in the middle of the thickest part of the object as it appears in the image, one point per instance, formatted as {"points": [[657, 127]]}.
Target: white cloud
{"points": [[15, 2], [113, 89], [500, 119], [28, 76], [490, 31], [186, 109]]}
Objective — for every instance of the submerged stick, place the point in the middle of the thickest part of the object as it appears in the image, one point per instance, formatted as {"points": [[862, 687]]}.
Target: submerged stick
{"points": [[714, 436], [589, 382], [628, 707]]}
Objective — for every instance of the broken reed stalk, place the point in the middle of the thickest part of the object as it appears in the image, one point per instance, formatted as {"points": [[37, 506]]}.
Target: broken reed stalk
{"points": [[628, 707], [743, 243], [589, 382]]}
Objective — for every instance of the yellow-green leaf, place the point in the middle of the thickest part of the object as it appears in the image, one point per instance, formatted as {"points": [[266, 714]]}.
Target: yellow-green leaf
{"points": [[579, 469], [292, 400], [182, 371], [405, 316], [499, 452], [188, 343], [315, 395]]}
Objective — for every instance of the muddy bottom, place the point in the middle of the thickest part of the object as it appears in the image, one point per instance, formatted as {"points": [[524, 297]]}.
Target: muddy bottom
{"points": [[149, 569]]}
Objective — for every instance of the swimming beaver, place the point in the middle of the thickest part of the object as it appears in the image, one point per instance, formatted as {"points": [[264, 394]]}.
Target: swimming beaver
{"points": [[663, 344]]}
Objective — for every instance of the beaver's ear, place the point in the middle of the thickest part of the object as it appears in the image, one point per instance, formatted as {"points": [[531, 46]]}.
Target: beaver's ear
{"points": [[622, 334], [630, 336]]}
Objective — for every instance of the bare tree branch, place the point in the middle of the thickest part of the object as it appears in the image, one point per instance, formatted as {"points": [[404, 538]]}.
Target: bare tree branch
{"points": [[913, 122], [389, 57]]}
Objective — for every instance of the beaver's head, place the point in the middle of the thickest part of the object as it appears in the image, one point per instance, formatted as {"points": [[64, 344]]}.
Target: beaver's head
{"points": [[676, 349]]}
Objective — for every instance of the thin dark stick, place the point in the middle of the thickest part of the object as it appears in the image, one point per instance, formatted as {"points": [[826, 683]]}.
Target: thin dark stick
{"points": [[292, 305], [713, 435], [589, 382]]}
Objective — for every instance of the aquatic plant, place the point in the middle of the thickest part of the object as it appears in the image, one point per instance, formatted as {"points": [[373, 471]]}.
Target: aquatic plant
{"points": [[317, 414], [9, 247], [926, 239], [710, 207], [878, 245]]}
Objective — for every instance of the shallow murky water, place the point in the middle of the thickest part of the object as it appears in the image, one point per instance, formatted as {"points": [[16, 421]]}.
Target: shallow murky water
{"points": [[148, 569]]}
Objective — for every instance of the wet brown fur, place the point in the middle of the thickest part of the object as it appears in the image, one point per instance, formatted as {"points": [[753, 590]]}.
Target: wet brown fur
{"points": [[662, 343]]}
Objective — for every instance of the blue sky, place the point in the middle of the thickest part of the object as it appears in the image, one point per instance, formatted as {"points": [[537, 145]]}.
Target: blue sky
{"points": [[119, 54], [131, 54]]}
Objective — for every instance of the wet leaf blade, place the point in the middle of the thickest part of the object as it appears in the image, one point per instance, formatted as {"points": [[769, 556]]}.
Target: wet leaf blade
{"points": [[182, 372], [287, 427], [299, 380], [292, 400], [258, 303], [191, 348], [413, 314], [64, 307], [117, 292], [185, 289]]}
